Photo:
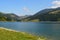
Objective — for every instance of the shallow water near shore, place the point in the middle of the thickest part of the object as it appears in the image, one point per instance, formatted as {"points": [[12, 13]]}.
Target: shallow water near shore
{"points": [[46, 29]]}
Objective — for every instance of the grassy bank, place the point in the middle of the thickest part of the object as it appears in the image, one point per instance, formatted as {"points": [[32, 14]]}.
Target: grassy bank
{"points": [[6, 34]]}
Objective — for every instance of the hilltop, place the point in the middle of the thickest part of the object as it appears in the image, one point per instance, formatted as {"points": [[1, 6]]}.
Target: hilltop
{"points": [[51, 14]]}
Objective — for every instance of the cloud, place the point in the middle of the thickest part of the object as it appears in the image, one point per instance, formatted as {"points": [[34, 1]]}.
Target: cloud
{"points": [[26, 9], [55, 4]]}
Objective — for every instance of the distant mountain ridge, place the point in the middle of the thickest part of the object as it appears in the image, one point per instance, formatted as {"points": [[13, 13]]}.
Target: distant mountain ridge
{"points": [[9, 17], [52, 14]]}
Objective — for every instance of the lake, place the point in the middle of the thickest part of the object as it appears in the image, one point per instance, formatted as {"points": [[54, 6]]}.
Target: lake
{"points": [[47, 29]]}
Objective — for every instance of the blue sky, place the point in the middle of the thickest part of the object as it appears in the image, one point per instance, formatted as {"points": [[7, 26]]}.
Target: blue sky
{"points": [[26, 7]]}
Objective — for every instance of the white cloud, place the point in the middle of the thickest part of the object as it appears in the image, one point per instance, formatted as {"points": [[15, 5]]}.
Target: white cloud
{"points": [[55, 4], [26, 9]]}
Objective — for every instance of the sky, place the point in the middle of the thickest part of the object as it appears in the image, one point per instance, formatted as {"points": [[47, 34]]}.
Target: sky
{"points": [[27, 7]]}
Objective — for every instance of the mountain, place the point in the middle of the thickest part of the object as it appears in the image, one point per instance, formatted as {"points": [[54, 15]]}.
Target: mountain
{"points": [[12, 16], [9, 17], [52, 14]]}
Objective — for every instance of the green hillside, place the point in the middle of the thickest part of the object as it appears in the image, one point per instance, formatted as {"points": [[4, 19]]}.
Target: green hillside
{"points": [[9, 17], [6, 34], [46, 15], [43, 15]]}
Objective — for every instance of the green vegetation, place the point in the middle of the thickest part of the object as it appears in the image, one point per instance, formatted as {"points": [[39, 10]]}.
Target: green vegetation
{"points": [[25, 20], [44, 15], [47, 15], [6, 34], [58, 19], [35, 20], [3, 18], [9, 17]]}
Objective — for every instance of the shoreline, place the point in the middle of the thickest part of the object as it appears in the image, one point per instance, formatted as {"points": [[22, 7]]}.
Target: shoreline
{"points": [[25, 33], [18, 31]]}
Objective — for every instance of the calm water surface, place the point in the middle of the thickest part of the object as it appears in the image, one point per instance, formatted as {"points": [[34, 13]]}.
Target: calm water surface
{"points": [[48, 29]]}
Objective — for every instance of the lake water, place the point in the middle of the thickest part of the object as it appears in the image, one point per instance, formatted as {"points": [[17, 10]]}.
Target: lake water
{"points": [[48, 29]]}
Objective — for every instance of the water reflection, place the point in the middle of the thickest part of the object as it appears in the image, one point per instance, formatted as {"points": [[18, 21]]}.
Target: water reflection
{"points": [[51, 30]]}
